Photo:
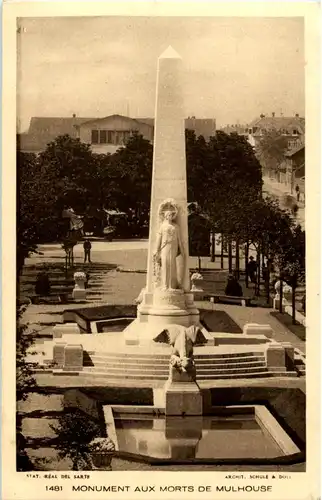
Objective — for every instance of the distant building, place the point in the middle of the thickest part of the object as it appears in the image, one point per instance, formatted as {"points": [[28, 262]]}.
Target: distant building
{"points": [[201, 126], [236, 129], [293, 127], [105, 135], [292, 171], [43, 130]]}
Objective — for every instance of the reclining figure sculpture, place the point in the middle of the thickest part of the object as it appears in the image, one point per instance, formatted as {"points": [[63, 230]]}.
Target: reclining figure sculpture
{"points": [[182, 340]]}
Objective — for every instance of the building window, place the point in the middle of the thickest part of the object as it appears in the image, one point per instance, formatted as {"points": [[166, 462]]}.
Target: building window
{"points": [[103, 136], [295, 132], [126, 136], [94, 136], [116, 137]]}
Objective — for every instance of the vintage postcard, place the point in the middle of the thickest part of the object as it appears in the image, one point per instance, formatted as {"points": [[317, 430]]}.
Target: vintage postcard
{"points": [[161, 250]]}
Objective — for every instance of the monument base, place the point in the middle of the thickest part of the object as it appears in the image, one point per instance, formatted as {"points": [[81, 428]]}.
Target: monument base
{"points": [[158, 309], [182, 398], [168, 307]]}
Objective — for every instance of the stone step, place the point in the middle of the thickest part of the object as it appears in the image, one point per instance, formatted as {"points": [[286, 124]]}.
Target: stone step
{"points": [[165, 360], [165, 355], [123, 371], [224, 360], [128, 365], [107, 375]]}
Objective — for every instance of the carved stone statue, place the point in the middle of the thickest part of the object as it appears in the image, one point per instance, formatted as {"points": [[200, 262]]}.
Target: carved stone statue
{"points": [[168, 247], [182, 340], [182, 354]]}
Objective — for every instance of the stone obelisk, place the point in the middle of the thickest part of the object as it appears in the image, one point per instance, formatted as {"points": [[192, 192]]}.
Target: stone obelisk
{"points": [[169, 178], [170, 304]]}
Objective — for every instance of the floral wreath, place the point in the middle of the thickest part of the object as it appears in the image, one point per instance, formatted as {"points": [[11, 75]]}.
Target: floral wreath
{"points": [[168, 205]]}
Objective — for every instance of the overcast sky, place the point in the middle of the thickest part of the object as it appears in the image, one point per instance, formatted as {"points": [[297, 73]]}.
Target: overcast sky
{"points": [[235, 68]]}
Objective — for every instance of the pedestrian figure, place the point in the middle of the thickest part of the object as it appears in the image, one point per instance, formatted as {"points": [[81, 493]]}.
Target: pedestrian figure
{"points": [[42, 286], [298, 192], [252, 269], [265, 273], [87, 250], [295, 210], [233, 288], [304, 303]]}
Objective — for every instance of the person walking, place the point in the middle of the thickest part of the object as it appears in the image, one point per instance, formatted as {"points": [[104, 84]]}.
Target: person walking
{"points": [[298, 192], [87, 250], [252, 269]]}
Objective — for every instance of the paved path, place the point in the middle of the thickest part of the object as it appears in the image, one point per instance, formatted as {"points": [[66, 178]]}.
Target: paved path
{"points": [[279, 191], [108, 286]]}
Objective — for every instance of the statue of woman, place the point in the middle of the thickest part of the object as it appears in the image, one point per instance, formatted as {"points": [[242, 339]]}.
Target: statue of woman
{"points": [[168, 247]]}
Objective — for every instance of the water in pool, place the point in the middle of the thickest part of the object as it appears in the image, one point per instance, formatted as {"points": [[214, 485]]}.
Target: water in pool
{"points": [[182, 438]]}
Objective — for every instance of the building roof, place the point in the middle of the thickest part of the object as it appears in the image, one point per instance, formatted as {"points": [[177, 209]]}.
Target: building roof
{"points": [[148, 121], [237, 129], [91, 120], [295, 150], [279, 123], [43, 130]]}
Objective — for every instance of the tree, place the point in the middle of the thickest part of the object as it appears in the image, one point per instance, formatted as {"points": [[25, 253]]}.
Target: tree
{"points": [[25, 382], [290, 259], [129, 176], [223, 175], [270, 150], [37, 197], [75, 430], [199, 235], [66, 174], [71, 164]]}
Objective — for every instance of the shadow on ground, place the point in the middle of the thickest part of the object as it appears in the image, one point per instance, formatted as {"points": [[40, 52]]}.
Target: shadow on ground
{"points": [[219, 321], [61, 281], [286, 320]]}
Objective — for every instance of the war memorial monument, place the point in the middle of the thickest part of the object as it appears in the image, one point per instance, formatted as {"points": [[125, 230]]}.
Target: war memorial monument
{"points": [[160, 387]]}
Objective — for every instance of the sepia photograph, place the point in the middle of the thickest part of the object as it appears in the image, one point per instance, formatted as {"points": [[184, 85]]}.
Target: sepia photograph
{"points": [[161, 271]]}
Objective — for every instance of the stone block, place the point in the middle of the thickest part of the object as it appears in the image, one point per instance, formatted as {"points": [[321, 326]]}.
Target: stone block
{"points": [[276, 303], [65, 328], [59, 354], [257, 329], [275, 356], [181, 377], [289, 355], [79, 294], [73, 357], [183, 398]]}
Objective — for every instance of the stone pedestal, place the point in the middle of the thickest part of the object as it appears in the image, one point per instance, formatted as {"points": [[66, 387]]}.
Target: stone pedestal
{"points": [[73, 357], [196, 282], [275, 356], [65, 328], [182, 394], [79, 291], [289, 355], [182, 398], [168, 307], [157, 310], [276, 302], [102, 460], [256, 329], [59, 354]]}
